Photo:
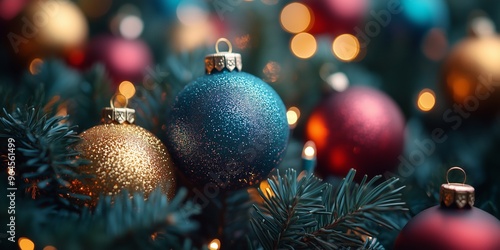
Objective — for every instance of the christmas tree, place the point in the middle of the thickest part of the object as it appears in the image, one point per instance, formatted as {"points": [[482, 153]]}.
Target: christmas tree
{"points": [[261, 124]]}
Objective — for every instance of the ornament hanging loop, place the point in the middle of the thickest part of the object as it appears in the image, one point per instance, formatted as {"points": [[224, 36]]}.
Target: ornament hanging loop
{"points": [[120, 115], [223, 60], [229, 45], [456, 168], [115, 98]]}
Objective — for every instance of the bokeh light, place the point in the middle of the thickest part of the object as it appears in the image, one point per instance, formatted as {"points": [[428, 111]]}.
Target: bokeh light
{"points": [[214, 244], [293, 115], [272, 71], [303, 45], [346, 47], [338, 81], [191, 13], [36, 66], [127, 89], [65, 27], [49, 248], [435, 44], [26, 244], [482, 26], [242, 42], [426, 100], [295, 18], [309, 150], [266, 189], [131, 27]]}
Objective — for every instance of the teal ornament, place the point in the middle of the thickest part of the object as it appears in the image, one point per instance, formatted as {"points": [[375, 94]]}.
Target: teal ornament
{"points": [[227, 129]]}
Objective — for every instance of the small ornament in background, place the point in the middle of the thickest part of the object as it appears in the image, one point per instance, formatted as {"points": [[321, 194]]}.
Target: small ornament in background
{"points": [[456, 224], [124, 59], [47, 28], [360, 128], [228, 128], [336, 17], [470, 73], [123, 156]]}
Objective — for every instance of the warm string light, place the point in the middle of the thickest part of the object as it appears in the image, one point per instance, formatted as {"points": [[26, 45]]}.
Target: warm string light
{"points": [[346, 47], [303, 45], [214, 244], [309, 156], [295, 18], [25, 244], [266, 189], [426, 100], [127, 89], [292, 115]]}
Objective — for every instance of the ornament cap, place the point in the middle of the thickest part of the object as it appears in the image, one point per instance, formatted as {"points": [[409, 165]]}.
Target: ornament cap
{"points": [[458, 195], [118, 115], [225, 60]]}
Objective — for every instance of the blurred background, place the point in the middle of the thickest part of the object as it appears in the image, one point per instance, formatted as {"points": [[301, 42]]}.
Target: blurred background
{"points": [[404, 88]]}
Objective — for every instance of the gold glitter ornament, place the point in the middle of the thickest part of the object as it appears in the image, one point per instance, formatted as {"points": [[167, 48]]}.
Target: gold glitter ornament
{"points": [[123, 156]]}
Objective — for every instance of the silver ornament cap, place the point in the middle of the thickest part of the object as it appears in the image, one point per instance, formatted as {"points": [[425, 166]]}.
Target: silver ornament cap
{"points": [[458, 195], [118, 115], [225, 60]]}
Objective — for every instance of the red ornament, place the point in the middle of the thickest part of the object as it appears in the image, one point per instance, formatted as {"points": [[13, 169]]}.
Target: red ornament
{"points": [[453, 225], [336, 16], [125, 60], [359, 128]]}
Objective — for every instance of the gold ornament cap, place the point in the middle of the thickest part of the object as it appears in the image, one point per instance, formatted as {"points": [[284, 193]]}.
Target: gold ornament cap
{"points": [[225, 60], [118, 115], [458, 195]]}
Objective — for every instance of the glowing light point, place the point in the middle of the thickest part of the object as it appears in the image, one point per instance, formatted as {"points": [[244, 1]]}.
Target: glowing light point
{"points": [[346, 47], [295, 18], [292, 115], [26, 244], [214, 244], [426, 100], [303, 45]]}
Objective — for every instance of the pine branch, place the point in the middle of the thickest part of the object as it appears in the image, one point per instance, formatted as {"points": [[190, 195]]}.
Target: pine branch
{"points": [[45, 159], [352, 210], [288, 210], [303, 213], [122, 222]]}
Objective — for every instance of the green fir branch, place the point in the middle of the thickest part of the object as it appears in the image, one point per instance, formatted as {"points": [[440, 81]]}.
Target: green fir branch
{"points": [[122, 222], [304, 213], [46, 161]]}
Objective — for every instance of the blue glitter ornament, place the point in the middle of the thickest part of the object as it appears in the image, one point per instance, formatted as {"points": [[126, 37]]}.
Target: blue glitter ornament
{"points": [[227, 129]]}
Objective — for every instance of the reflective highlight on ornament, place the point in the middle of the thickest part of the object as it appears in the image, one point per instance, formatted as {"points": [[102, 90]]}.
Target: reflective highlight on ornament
{"points": [[338, 81], [25, 244], [131, 27], [346, 47], [214, 244], [303, 45], [426, 100], [292, 116], [295, 18], [127, 89], [36, 66]]}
